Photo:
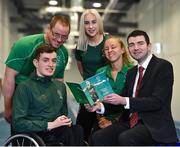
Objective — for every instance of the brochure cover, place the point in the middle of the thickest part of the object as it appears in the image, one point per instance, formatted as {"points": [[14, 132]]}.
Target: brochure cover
{"points": [[92, 89], [77, 92]]}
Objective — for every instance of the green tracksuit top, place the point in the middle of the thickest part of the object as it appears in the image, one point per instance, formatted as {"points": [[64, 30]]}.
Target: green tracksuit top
{"points": [[22, 53], [36, 102]]}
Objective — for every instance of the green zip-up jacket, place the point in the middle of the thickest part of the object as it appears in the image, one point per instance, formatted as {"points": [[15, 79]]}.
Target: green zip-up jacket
{"points": [[36, 102]]}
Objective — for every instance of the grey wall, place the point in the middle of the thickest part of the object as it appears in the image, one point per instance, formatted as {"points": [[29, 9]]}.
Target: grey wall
{"points": [[160, 18]]}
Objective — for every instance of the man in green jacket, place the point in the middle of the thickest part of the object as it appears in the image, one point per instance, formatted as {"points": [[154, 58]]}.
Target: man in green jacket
{"points": [[40, 103], [19, 62]]}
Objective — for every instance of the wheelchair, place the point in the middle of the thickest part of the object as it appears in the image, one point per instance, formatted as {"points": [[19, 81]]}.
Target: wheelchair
{"points": [[24, 139], [30, 139]]}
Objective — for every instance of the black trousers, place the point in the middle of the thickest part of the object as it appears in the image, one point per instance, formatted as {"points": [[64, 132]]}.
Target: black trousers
{"points": [[68, 136], [86, 120], [121, 134]]}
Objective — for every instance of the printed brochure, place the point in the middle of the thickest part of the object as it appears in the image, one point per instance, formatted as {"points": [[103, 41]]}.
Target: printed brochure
{"points": [[92, 89]]}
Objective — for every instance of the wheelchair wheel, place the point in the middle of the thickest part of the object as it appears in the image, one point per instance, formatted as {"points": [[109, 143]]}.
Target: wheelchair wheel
{"points": [[24, 140]]}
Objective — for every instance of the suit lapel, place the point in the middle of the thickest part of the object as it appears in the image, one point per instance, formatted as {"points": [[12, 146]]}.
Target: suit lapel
{"points": [[132, 79], [148, 71]]}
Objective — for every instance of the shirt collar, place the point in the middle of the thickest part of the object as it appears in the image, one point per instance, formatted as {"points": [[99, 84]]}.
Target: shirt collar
{"points": [[46, 79], [123, 70], [146, 62]]}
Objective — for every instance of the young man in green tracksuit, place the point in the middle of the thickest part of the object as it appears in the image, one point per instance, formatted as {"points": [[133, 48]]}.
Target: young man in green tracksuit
{"points": [[19, 64], [40, 103]]}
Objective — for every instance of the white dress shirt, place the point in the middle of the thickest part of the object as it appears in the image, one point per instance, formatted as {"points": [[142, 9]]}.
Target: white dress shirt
{"points": [[144, 65]]}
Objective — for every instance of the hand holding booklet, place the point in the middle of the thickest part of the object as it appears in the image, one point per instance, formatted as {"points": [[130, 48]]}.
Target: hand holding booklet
{"points": [[92, 89]]}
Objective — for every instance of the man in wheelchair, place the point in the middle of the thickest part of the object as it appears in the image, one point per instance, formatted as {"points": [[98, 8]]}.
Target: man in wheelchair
{"points": [[40, 103]]}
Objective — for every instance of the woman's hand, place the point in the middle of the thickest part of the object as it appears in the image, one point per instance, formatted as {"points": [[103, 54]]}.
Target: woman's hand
{"points": [[95, 107], [104, 122]]}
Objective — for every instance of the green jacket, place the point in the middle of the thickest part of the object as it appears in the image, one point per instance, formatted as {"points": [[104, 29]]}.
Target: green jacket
{"points": [[36, 102], [21, 57]]}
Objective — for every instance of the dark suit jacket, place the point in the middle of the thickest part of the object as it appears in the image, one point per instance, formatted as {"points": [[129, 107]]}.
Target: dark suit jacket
{"points": [[153, 103]]}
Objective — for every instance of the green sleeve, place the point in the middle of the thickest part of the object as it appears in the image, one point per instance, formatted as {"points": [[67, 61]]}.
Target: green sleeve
{"points": [[60, 74], [102, 69], [66, 55], [16, 56], [20, 120], [78, 55]]}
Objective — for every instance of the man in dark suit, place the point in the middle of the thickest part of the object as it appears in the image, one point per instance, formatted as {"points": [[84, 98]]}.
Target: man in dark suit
{"points": [[148, 94]]}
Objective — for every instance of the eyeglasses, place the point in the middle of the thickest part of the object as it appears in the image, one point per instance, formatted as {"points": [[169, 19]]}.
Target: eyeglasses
{"points": [[59, 36]]}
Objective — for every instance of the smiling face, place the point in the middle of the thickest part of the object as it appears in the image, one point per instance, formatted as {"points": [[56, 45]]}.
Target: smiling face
{"points": [[58, 34], [91, 25], [113, 49], [45, 64], [138, 48]]}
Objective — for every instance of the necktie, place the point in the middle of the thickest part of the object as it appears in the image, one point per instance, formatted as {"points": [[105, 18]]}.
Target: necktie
{"points": [[134, 115]]}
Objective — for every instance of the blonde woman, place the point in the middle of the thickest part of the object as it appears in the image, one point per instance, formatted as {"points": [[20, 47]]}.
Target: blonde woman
{"points": [[89, 57], [119, 63]]}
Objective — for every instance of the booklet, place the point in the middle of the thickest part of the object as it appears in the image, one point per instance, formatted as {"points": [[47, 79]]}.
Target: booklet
{"points": [[92, 89]]}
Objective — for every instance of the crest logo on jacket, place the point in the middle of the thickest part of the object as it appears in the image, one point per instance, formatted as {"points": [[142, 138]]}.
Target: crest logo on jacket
{"points": [[59, 94]]}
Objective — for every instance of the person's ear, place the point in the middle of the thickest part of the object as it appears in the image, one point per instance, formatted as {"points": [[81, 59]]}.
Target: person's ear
{"points": [[35, 62], [48, 26], [48, 29], [149, 47]]}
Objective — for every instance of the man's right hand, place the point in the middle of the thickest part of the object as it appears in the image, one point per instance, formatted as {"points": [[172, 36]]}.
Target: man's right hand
{"points": [[115, 99], [8, 91], [64, 120]]}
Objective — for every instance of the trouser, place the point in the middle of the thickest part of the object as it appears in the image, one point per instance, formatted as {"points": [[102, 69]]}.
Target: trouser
{"points": [[121, 134], [86, 120], [65, 135]]}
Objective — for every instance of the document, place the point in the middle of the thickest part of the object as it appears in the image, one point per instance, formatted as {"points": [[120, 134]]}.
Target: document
{"points": [[92, 89]]}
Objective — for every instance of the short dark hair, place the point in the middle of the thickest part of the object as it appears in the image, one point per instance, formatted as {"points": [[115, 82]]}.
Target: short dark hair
{"points": [[43, 48], [139, 33]]}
